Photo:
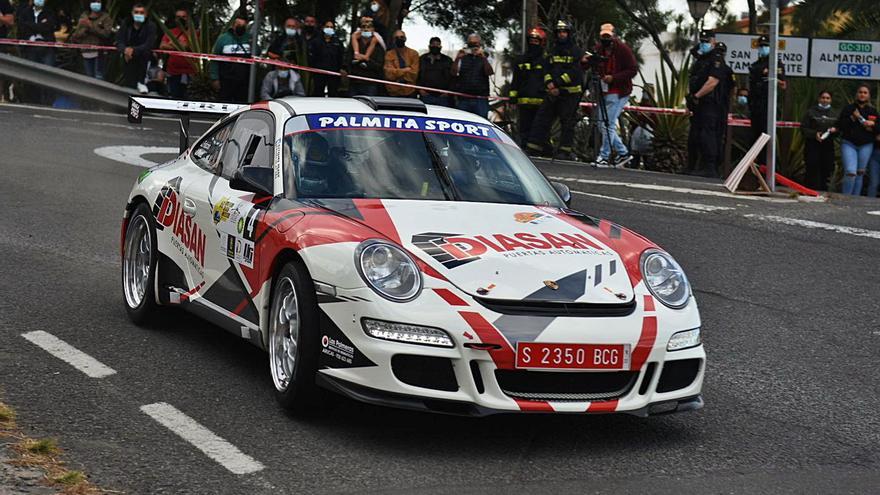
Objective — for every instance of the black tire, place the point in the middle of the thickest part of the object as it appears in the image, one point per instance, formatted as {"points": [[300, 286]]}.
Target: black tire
{"points": [[300, 396], [145, 309]]}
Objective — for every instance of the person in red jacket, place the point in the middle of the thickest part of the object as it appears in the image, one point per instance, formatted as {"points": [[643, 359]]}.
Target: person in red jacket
{"points": [[617, 73], [180, 69]]}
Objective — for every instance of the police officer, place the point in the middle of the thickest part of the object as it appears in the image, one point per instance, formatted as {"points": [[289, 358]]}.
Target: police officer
{"points": [[701, 54], [711, 102], [527, 88], [759, 87], [563, 81]]}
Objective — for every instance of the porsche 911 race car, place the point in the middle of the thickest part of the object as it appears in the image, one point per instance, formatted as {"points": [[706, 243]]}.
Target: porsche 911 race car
{"points": [[407, 255]]}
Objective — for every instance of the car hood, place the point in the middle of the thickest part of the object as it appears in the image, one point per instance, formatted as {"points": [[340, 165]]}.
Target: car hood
{"points": [[504, 252]]}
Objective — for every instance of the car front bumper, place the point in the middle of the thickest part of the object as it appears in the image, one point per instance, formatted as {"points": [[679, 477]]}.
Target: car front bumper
{"points": [[467, 380]]}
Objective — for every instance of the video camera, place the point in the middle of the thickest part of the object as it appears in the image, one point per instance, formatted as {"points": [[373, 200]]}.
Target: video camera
{"points": [[593, 59]]}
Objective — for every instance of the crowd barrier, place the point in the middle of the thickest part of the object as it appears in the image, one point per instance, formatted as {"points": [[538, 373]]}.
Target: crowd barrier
{"points": [[732, 121]]}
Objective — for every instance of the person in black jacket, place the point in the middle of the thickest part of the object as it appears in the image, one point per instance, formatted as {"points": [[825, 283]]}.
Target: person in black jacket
{"points": [[527, 88], [372, 67], [701, 54], [435, 71], [328, 54], [759, 77], [472, 71], [563, 81], [817, 126], [136, 40], [857, 125], [36, 23]]}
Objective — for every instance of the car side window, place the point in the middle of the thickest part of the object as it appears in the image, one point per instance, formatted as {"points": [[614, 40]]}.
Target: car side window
{"points": [[206, 154], [251, 144]]}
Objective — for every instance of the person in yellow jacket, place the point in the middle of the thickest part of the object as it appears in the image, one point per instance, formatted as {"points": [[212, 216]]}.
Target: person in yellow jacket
{"points": [[401, 65]]}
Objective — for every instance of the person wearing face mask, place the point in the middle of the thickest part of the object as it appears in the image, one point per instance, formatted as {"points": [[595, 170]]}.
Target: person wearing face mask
{"points": [[701, 55], [401, 65], [95, 27], [135, 40], [435, 71], [817, 127], [329, 54], [616, 73], [710, 105], [857, 124], [472, 71], [527, 86], [180, 70], [365, 57], [381, 16], [230, 79], [36, 23], [290, 45], [759, 76], [280, 83], [741, 106], [563, 82]]}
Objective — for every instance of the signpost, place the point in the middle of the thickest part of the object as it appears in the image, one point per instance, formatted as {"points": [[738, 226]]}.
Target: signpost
{"points": [[742, 51], [845, 59]]}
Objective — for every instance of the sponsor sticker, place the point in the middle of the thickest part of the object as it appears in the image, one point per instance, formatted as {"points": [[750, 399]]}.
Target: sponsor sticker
{"points": [[530, 217], [402, 123], [453, 250], [221, 210], [238, 250], [186, 235], [337, 350]]}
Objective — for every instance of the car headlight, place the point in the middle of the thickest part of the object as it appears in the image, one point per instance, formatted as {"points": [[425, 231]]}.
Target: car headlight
{"points": [[684, 340], [665, 279], [388, 270]]}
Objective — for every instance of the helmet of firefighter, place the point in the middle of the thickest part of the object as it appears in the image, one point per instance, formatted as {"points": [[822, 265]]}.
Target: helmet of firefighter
{"points": [[537, 36], [563, 25]]}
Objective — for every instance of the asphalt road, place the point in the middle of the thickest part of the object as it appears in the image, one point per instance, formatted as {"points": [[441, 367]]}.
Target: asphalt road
{"points": [[788, 293]]}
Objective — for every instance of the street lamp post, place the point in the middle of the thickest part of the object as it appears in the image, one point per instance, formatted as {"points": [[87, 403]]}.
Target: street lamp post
{"points": [[698, 9]]}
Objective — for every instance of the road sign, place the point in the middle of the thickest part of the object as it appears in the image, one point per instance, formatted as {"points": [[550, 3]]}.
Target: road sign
{"points": [[742, 51], [845, 59]]}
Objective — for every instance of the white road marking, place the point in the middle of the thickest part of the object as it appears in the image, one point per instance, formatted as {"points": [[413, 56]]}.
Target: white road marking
{"points": [[69, 354], [623, 200], [132, 154], [874, 213], [873, 234], [226, 454], [692, 206], [683, 190]]}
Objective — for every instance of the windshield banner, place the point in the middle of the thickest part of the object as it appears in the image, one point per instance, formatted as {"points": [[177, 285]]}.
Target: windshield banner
{"points": [[399, 122]]}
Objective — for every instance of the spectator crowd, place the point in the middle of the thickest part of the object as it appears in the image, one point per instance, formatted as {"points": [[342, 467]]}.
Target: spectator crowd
{"points": [[371, 51]]}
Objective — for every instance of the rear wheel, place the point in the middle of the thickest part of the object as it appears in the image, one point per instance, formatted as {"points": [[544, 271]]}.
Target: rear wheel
{"points": [[293, 339], [139, 258]]}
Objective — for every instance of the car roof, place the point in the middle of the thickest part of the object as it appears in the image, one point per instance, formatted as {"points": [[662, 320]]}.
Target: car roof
{"points": [[303, 106]]}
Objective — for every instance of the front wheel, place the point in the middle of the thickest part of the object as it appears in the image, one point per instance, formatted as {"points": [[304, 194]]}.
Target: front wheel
{"points": [[293, 339], [139, 259]]}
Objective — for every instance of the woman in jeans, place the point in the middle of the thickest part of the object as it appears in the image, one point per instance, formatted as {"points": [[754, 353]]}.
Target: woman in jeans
{"points": [[857, 128]]}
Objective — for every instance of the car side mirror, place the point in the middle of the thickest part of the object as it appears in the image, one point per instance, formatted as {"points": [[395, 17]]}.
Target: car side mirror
{"points": [[563, 191], [253, 179]]}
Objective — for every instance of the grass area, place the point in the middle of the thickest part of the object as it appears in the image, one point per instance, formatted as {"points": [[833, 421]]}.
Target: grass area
{"points": [[43, 454]]}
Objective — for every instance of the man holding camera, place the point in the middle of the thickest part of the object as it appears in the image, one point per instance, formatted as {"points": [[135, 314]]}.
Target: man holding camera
{"points": [[472, 71], [617, 70], [563, 82]]}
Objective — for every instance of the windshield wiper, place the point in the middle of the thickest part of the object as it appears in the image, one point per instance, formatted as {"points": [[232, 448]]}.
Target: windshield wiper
{"points": [[440, 169]]}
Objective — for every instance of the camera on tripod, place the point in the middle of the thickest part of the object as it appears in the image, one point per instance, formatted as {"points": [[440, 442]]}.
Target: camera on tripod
{"points": [[592, 60]]}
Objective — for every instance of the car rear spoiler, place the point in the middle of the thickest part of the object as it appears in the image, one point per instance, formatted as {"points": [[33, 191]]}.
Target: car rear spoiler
{"points": [[140, 105]]}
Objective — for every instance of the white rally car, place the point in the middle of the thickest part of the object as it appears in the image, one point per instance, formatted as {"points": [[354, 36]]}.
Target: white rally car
{"points": [[411, 256]]}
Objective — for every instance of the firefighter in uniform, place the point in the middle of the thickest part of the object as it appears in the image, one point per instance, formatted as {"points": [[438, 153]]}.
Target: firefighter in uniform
{"points": [[563, 81], [701, 54], [759, 87], [527, 88], [711, 102]]}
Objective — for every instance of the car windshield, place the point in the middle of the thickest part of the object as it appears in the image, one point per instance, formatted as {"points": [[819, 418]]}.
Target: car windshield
{"points": [[405, 157]]}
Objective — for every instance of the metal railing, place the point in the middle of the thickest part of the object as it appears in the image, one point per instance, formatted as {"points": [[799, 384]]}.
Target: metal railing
{"points": [[100, 94]]}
